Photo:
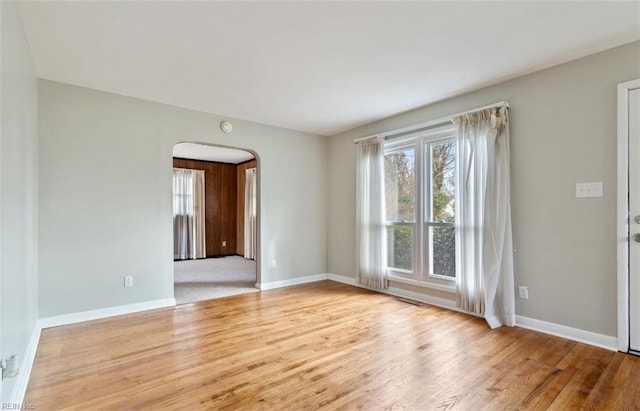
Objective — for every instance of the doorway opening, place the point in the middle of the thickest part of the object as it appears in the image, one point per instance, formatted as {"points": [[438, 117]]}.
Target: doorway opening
{"points": [[215, 221]]}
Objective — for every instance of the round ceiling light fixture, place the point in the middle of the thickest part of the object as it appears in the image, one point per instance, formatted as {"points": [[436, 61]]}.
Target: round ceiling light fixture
{"points": [[226, 127]]}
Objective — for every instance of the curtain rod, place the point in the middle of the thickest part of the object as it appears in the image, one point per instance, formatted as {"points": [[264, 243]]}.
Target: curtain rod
{"points": [[438, 121]]}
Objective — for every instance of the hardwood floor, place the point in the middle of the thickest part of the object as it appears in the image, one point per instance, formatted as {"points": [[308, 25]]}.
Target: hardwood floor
{"points": [[321, 345]]}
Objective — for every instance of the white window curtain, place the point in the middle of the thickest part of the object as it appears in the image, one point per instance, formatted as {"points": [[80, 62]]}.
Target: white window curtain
{"points": [[250, 203], [188, 214], [484, 275], [371, 234]]}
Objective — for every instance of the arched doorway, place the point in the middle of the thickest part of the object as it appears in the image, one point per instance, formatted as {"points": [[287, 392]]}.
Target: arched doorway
{"points": [[215, 219]]}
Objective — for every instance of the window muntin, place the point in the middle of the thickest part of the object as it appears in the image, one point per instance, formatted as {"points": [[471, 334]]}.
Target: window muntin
{"points": [[420, 186]]}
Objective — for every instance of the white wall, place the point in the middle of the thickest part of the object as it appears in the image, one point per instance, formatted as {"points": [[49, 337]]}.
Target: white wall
{"points": [[563, 129], [18, 191], [105, 196]]}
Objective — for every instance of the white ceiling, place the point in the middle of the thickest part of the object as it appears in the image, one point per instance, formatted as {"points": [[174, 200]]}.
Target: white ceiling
{"points": [[211, 153], [319, 67]]}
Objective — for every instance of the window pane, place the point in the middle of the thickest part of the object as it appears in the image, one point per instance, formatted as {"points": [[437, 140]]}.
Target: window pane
{"points": [[400, 247], [443, 175], [442, 251], [182, 192], [399, 185]]}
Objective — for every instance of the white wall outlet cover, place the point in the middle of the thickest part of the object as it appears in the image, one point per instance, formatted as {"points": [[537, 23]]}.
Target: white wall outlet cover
{"points": [[587, 190], [523, 291], [226, 127], [10, 367]]}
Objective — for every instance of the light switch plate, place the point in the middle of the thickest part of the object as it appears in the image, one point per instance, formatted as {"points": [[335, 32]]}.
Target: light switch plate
{"points": [[587, 190]]}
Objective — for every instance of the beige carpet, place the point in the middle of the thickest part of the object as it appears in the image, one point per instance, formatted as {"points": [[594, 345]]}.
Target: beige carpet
{"points": [[206, 279]]}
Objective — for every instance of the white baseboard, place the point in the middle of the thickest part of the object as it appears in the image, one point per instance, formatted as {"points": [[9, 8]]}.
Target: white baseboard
{"points": [[293, 281], [399, 292], [22, 379], [599, 340], [423, 298], [73, 318], [343, 279]]}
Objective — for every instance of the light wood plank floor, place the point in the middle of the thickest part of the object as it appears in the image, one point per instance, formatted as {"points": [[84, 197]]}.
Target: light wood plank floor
{"points": [[322, 345]]}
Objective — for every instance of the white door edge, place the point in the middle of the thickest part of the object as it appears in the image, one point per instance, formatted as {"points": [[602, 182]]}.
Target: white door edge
{"points": [[622, 218]]}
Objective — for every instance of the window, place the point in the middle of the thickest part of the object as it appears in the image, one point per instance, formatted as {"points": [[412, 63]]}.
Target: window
{"points": [[420, 187], [400, 208], [182, 192]]}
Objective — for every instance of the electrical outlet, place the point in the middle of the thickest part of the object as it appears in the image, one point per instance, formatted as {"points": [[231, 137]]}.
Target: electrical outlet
{"points": [[10, 367], [274, 263], [224, 243], [128, 281], [523, 292]]}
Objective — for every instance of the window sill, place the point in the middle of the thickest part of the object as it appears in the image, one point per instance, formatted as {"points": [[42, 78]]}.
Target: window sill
{"points": [[424, 284]]}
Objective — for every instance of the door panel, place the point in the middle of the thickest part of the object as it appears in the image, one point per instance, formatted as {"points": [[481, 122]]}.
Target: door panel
{"points": [[634, 226]]}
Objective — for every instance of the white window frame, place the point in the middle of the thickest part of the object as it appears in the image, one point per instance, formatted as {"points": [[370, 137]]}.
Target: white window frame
{"points": [[420, 141]]}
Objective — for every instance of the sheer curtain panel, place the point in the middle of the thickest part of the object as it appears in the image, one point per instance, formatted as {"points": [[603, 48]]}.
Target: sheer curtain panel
{"points": [[250, 203], [371, 235], [484, 277], [198, 214], [188, 214]]}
